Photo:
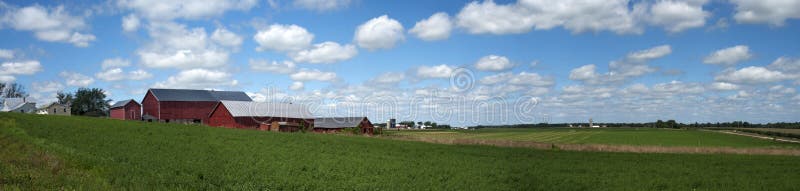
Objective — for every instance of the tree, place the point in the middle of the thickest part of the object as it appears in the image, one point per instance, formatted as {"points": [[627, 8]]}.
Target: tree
{"points": [[659, 124], [408, 124], [91, 102], [64, 98], [12, 90]]}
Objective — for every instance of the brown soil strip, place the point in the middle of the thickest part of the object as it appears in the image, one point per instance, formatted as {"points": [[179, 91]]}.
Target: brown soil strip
{"points": [[759, 136], [609, 148]]}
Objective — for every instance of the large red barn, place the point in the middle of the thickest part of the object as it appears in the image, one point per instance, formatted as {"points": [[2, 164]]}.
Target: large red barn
{"points": [[126, 110], [185, 106], [261, 115]]}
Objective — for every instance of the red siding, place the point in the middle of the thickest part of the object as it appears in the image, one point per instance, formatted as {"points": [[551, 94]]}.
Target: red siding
{"points": [[131, 111], [177, 110], [118, 113], [150, 105]]}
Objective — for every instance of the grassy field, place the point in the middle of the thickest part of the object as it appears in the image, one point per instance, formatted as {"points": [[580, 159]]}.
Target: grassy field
{"points": [[610, 136], [54, 152]]}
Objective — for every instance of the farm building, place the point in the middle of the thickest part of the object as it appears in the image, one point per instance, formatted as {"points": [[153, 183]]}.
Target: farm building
{"points": [[335, 124], [261, 115], [126, 110], [18, 105], [56, 109], [185, 106]]}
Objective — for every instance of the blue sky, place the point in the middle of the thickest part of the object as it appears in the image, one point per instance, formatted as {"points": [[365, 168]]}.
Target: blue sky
{"points": [[457, 62]]}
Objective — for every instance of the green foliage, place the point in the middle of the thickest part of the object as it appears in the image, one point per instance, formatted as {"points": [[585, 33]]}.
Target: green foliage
{"points": [[90, 102], [105, 154], [64, 97]]}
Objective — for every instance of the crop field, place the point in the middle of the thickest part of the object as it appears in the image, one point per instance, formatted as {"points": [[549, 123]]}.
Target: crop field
{"points": [[611, 136], [66, 153], [787, 131]]}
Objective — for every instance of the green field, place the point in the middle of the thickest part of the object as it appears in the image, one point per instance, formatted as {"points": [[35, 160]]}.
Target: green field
{"points": [[55, 152], [610, 136]]}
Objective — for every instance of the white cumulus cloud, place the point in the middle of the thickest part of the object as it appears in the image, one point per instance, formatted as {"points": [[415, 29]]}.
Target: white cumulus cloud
{"points": [[296, 86], [751, 75], [677, 16], [283, 38], [325, 53], [76, 79], [160, 10], [53, 25], [198, 79], [379, 33], [436, 27], [312, 75], [772, 12], [227, 38], [130, 23], [493, 63], [440, 71], [729, 56]]}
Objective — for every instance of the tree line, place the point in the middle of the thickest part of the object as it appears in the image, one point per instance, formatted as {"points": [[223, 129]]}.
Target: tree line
{"points": [[656, 124], [84, 101]]}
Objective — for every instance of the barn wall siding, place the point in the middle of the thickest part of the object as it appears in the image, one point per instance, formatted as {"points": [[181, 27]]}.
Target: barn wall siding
{"points": [[150, 105]]}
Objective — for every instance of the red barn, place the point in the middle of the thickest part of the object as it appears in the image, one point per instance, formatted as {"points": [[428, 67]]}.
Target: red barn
{"points": [[336, 124], [261, 115], [126, 110], [185, 106]]}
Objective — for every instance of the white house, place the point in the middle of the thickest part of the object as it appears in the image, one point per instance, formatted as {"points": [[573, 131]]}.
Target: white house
{"points": [[20, 105]]}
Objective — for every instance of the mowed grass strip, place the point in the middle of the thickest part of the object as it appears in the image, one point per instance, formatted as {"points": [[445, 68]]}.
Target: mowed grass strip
{"points": [[125, 155], [609, 136]]}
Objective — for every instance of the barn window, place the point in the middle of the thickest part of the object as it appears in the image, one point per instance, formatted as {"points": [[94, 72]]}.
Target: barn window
{"points": [[54, 110], [22, 111], [65, 109]]}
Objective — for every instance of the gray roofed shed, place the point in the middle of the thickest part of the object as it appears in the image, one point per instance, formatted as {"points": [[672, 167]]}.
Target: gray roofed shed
{"points": [[198, 95], [338, 122], [123, 103]]}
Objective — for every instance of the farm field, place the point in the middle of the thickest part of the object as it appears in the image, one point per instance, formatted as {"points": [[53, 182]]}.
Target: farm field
{"points": [[777, 130], [609, 136], [56, 152]]}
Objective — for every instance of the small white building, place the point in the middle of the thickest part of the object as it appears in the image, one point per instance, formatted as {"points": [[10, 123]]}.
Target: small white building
{"points": [[19, 105]]}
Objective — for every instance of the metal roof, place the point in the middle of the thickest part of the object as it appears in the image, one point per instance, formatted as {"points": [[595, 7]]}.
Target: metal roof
{"points": [[198, 95], [123, 103], [13, 103], [337, 122], [266, 109]]}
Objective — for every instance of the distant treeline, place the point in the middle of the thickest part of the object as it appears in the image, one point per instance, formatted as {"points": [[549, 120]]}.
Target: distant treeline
{"points": [[657, 124]]}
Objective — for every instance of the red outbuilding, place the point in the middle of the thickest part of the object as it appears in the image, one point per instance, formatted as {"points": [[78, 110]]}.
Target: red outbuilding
{"points": [[261, 115], [336, 124], [126, 110], [185, 106]]}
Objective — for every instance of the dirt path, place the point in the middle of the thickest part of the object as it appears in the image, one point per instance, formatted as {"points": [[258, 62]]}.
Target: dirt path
{"points": [[758, 136], [608, 148]]}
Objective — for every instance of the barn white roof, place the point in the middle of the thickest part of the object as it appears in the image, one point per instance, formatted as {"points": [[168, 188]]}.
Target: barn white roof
{"points": [[267, 109]]}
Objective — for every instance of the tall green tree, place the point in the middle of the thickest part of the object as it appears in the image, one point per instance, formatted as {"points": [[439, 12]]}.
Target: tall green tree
{"points": [[90, 102], [64, 98]]}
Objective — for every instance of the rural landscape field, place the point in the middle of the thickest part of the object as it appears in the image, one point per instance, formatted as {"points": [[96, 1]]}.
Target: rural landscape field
{"points": [[400, 95], [55, 152]]}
